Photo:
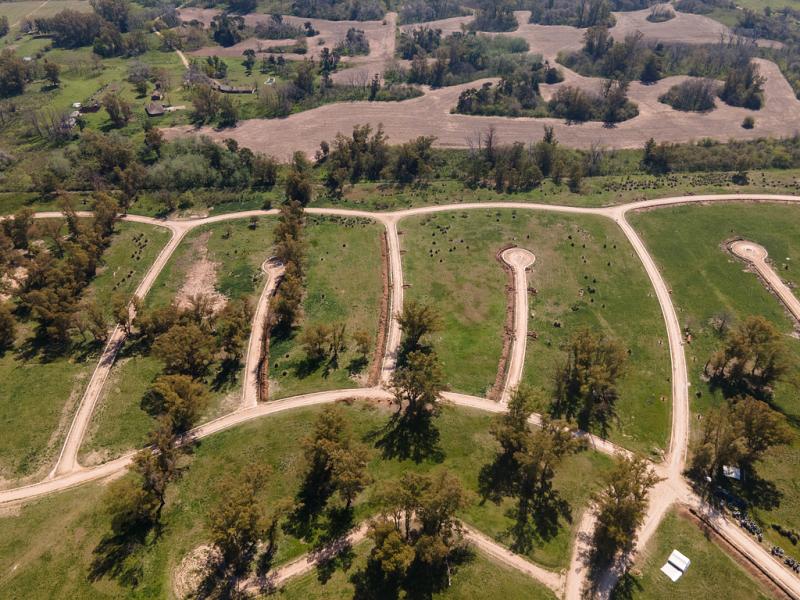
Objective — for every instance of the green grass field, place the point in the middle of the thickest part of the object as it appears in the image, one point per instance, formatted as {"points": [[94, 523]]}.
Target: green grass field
{"points": [[39, 393], [450, 259], [119, 423], [343, 285], [711, 573], [480, 577], [31, 566], [707, 281]]}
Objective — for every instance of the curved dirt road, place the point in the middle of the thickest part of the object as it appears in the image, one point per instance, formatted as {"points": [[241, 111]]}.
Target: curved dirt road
{"points": [[274, 272], [756, 255], [672, 489], [520, 260]]}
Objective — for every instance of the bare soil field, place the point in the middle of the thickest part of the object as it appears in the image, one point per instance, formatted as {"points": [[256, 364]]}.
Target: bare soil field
{"points": [[430, 115], [381, 36]]}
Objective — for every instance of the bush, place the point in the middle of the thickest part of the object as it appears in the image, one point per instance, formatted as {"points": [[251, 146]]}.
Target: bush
{"points": [[744, 86], [355, 42], [694, 95], [748, 122], [661, 13]]}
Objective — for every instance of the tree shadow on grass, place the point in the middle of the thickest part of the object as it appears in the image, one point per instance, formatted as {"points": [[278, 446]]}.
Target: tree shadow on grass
{"points": [[537, 521], [116, 555], [406, 437]]}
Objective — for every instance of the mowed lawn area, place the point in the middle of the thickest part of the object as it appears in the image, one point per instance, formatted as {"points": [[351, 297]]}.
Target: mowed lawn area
{"points": [[223, 258], [40, 391], [711, 574], [688, 243], [32, 567], [479, 577], [585, 275]]}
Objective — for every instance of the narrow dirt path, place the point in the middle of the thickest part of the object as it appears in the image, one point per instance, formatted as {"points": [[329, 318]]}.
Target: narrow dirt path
{"points": [[68, 458], [520, 260], [756, 255], [274, 272]]}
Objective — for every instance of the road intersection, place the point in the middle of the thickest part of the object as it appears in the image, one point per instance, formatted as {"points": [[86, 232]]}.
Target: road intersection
{"points": [[671, 490]]}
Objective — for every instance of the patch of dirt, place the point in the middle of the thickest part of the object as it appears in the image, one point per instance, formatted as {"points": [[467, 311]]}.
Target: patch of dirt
{"points": [[193, 568], [9, 282], [201, 278]]}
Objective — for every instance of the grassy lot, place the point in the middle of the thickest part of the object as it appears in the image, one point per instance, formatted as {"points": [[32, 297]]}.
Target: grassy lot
{"points": [[450, 262], [39, 392], [596, 191], [480, 577], [707, 281], [119, 423], [32, 567], [343, 285], [711, 571], [16, 11]]}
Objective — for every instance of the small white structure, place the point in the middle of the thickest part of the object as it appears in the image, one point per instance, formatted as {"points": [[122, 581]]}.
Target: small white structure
{"points": [[732, 472], [76, 105], [676, 565]]}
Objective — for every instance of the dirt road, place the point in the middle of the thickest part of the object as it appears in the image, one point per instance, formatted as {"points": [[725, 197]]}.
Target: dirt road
{"points": [[520, 260], [274, 272], [671, 490], [756, 255]]}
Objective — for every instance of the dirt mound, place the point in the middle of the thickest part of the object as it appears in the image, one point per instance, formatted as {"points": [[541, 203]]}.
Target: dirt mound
{"points": [[193, 569]]}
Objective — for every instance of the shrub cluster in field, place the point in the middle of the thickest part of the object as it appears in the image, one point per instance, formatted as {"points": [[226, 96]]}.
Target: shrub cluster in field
{"points": [[459, 57], [578, 13], [696, 95], [277, 29], [602, 56]]}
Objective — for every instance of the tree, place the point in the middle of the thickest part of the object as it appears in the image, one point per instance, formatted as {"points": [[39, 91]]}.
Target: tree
{"points": [[416, 537], [752, 360], [524, 468], [3, 26], [621, 507], [206, 103], [413, 161], [113, 11], [298, 180], [13, 74], [238, 521], [651, 71], [315, 339], [185, 349], [157, 465], [118, 109], [265, 172], [417, 320], [585, 382], [738, 433], [249, 60], [52, 73], [228, 112], [179, 398], [416, 385], [8, 328], [233, 328]]}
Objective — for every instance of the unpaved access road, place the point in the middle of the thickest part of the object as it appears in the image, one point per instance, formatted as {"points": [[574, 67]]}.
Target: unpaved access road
{"points": [[520, 260], [274, 272], [671, 490], [756, 255]]}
